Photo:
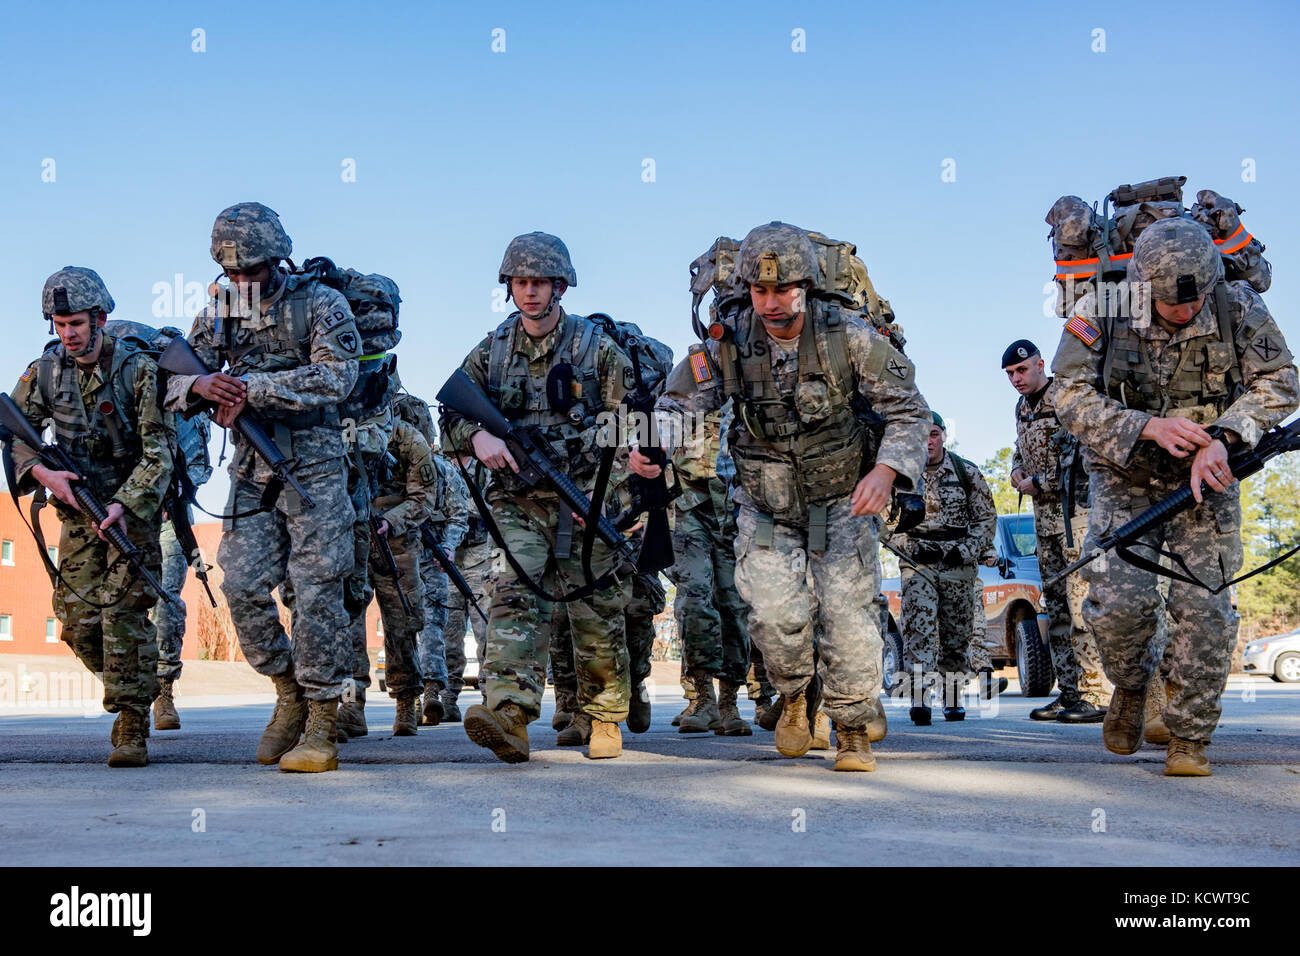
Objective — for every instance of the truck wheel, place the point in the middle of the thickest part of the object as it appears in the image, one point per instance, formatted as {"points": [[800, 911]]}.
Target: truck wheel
{"points": [[1033, 663], [1286, 669], [891, 661]]}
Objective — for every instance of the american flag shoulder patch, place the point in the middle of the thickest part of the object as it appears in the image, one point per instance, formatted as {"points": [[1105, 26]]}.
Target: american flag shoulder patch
{"points": [[700, 367], [1082, 329]]}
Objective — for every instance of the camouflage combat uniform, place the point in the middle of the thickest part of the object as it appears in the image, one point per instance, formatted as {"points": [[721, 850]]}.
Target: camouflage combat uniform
{"points": [[448, 524], [405, 499], [530, 520], [1185, 374], [132, 468], [938, 602], [979, 649], [709, 612], [1040, 442], [298, 359], [794, 489], [473, 558], [169, 621]]}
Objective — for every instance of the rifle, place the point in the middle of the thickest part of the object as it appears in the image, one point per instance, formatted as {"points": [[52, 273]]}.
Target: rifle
{"points": [[1069, 461], [538, 465], [652, 495], [1243, 464], [380, 543], [56, 459], [180, 359], [177, 511], [449, 568]]}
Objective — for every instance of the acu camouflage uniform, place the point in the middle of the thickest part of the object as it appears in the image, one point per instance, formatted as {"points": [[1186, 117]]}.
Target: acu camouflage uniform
{"points": [[1107, 389], [125, 457], [794, 489], [1042, 444], [298, 358], [406, 495], [473, 557], [438, 655], [512, 367], [938, 602]]}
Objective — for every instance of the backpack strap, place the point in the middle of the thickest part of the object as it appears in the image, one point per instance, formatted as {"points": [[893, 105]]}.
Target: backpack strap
{"points": [[1225, 313], [499, 358], [959, 465]]}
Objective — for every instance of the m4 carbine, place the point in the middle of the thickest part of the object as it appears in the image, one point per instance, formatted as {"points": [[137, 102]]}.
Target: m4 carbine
{"points": [[56, 459], [180, 359]]}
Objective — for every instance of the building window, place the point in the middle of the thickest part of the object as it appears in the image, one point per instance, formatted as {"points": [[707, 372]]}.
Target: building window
{"points": [[51, 630], [6, 627], [7, 552], [53, 551]]}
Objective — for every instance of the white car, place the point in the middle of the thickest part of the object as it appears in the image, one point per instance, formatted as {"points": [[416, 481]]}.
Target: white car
{"points": [[1278, 656]]}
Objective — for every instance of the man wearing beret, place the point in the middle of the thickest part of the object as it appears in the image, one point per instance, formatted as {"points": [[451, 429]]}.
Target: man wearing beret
{"points": [[1048, 468]]}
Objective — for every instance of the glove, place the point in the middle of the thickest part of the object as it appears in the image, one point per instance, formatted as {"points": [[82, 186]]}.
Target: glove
{"points": [[953, 558], [927, 552]]}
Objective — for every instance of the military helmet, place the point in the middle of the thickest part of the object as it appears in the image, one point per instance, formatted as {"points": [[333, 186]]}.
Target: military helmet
{"points": [[247, 234], [539, 255], [373, 287], [75, 289], [1178, 259], [777, 253]]}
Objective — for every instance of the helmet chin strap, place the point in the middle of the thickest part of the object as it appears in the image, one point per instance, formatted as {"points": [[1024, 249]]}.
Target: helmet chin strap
{"points": [[541, 315], [92, 342]]}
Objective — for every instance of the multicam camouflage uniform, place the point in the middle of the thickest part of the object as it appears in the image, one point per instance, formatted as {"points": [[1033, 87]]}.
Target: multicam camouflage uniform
{"points": [[117, 640], [1187, 374], [405, 496], [783, 529], [1039, 443], [938, 602], [298, 359], [709, 612], [530, 520]]}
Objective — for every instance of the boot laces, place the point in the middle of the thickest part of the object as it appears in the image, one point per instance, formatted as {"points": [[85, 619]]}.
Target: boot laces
{"points": [[794, 707], [1178, 745]]}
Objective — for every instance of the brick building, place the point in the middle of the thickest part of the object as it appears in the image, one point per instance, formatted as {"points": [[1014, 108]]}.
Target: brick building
{"points": [[28, 624]]}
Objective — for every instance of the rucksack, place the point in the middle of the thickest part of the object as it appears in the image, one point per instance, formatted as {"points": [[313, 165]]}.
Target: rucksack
{"points": [[655, 357], [1087, 243], [844, 282]]}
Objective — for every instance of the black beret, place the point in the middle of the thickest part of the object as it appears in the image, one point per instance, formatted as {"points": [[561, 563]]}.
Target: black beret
{"points": [[1018, 351]]}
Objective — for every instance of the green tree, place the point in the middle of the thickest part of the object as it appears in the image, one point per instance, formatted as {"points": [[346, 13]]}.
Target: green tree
{"points": [[997, 472]]}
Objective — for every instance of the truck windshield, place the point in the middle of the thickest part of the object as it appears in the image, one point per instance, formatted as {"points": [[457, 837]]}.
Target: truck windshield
{"points": [[1019, 535]]}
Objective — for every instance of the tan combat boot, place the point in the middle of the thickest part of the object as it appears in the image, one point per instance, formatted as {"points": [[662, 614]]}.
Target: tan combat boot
{"points": [[821, 732], [688, 688], [576, 734], [318, 752], [287, 721], [733, 725], [504, 731], [565, 708], [877, 723], [128, 747], [1186, 758], [793, 737], [432, 713], [706, 716], [1157, 699], [853, 749], [606, 740], [351, 720], [406, 724], [164, 708], [1121, 731], [115, 735]]}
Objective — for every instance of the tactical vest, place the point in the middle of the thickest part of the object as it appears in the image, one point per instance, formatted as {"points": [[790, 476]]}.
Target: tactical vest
{"points": [[1206, 380], [697, 461], [251, 344], [524, 400], [798, 450], [104, 439]]}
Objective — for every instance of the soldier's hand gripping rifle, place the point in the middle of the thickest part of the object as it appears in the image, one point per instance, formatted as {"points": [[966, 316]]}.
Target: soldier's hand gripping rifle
{"points": [[538, 465], [652, 495], [56, 459], [379, 539], [180, 359], [906, 511], [1243, 464], [449, 568]]}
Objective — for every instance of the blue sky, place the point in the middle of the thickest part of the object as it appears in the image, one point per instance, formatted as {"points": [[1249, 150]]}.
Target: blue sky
{"points": [[458, 148]]}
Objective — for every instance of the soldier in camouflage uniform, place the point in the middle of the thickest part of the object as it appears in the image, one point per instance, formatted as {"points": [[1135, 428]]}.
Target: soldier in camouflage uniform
{"points": [[1156, 397], [511, 365], [709, 612], [938, 597], [102, 396], [473, 558], [796, 366], [980, 661], [169, 620], [1047, 467], [407, 490], [291, 346]]}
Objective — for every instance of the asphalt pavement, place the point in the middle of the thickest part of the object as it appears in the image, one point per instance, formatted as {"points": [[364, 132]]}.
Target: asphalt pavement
{"points": [[994, 789]]}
